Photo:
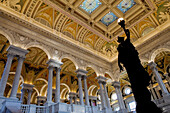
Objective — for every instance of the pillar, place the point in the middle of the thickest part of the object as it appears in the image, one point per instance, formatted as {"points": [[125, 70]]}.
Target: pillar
{"points": [[106, 95], [16, 78], [22, 95], [49, 90], [57, 91], [158, 78], [103, 103], [80, 90], [40, 99], [80, 73], [85, 90], [119, 96], [165, 92], [29, 96], [6, 73]]}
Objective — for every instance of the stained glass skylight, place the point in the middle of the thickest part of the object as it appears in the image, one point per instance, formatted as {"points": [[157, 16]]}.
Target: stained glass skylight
{"points": [[109, 18], [125, 5], [90, 5]]}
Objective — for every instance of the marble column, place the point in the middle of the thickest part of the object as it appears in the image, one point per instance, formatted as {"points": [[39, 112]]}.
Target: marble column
{"points": [[57, 91], [22, 95], [85, 90], [6, 74], [165, 92], [16, 78], [29, 88], [29, 96], [119, 96], [40, 99], [80, 90], [49, 90], [102, 79], [80, 73], [106, 95], [103, 103], [12, 52], [158, 78]]}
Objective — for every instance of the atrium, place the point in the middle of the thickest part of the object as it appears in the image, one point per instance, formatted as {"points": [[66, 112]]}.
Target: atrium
{"points": [[60, 56]]}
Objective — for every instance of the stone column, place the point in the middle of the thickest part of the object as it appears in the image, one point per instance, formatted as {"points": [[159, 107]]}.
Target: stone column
{"points": [[85, 90], [103, 103], [165, 92], [57, 91], [102, 79], [106, 95], [49, 90], [16, 78], [29, 88], [79, 76], [119, 96], [29, 96], [22, 95], [158, 78], [80, 90], [40, 98], [6, 74]]}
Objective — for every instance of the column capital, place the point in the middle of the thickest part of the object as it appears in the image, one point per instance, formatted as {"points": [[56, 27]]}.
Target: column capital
{"points": [[116, 84], [101, 79], [81, 72], [41, 98], [27, 86], [152, 65], [17, 51], [54, 63]]}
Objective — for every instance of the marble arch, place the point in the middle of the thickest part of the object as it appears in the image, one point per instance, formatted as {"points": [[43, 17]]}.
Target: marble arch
{"points": [[38, 45], [8, 36], [66, 86], [70, 58], [156, 52], [94, 68], [42, 80], [41, 91]]}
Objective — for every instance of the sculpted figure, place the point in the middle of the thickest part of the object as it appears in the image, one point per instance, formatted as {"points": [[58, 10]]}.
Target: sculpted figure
{"points": [[139, 78]]}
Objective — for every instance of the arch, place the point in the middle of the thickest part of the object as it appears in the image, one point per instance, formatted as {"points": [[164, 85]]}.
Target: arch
{"points": [[91, 88], [61, 94], [66, 86], [8, 36], [22, 79], [32, 97], [36, 91], [42, 80], [41, 91], [93, 68], [36, 44], [70, 58], [109, 74], [156, 52]]}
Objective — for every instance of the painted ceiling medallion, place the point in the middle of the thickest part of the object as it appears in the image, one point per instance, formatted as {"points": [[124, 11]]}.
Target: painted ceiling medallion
{"points": [[125, 5], [109, 18], [90, 5]]}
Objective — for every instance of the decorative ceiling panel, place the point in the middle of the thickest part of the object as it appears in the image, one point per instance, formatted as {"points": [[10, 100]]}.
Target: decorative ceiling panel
{"points": [[90, 5], [109, 18], [125, 5], [94, 22]]}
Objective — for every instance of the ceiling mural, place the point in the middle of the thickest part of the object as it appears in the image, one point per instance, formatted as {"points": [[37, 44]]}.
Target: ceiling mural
{"points": [[100, 16]]}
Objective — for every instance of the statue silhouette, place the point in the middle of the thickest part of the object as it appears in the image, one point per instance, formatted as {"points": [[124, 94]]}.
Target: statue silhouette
{"points": [[139, 78]]}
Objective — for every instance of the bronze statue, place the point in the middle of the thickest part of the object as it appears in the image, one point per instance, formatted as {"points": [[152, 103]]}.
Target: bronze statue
{"points": [[139, 78]]}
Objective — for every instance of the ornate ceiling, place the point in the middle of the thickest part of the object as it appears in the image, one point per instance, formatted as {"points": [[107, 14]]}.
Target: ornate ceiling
{"points": [[94, 22]]}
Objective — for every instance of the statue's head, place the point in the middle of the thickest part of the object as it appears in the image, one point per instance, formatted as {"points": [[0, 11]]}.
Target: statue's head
{"points": [[120, 39]]}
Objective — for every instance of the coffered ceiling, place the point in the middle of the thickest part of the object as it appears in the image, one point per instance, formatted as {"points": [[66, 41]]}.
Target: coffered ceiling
{"points": [[101, 15], [92, 24]]}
